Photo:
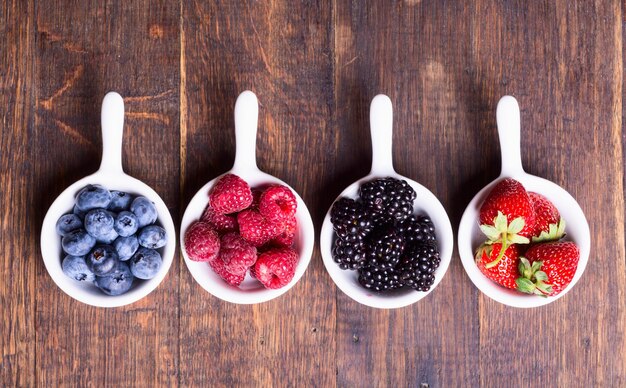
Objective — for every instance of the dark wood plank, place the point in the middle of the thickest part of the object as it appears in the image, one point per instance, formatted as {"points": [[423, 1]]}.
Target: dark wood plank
{"points": [[281, 51], [445, 66], [563, 62], [83, 51], [18, 245], [413, 53], [315, 66]]}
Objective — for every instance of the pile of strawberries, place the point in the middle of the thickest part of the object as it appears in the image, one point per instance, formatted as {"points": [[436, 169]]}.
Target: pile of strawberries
{"points": [[524, 249], [245, 229]]}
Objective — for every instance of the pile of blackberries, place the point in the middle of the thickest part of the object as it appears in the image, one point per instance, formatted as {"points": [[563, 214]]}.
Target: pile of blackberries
{"points": [[379, 236]]}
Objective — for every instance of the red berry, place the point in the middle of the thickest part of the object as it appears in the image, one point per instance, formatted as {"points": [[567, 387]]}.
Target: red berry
{"points": [[236, 254], [277, 204], [230, 194], [505, 272], [255, 228], [509, 198], [223, 223], [287, 237], [549, 269], [219, 268], [201, 242], [276, 267], [548, 223], [256, 197]]}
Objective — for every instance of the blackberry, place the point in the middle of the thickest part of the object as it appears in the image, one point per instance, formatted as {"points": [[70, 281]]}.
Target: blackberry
{"points": [[388, 199], [417, 230], [376, 279], [417, 266], [350, 220], [349, 255], [384, 247]]}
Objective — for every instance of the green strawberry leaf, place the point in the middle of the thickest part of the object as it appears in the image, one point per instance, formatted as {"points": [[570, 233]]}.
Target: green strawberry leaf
{"points": [[524, 268], [500, 222], [541, 276], [517, 239], [516, 225], [536, 266], [555, 232], [491, 232], [543, 287], [525, 285]]}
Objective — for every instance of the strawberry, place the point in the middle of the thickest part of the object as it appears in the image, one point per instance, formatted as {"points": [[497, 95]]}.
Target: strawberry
{"points": [[505, 272], [548, 268], [506, 217], [549, 226], [511, 199]]}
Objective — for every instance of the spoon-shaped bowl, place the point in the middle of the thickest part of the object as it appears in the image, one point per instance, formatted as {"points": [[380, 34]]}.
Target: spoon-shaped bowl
{"points": [[112, 176], [381, 123], [470, 237], [251, 290]]}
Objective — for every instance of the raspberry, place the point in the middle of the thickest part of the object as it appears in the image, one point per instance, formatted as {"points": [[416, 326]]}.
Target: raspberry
{"points": [[287, 237], [201, 242], [256, 196], [255, 229], [223, 223], [277, 203], [276, 267], [236, 254], [219, 268], [230, 194]]}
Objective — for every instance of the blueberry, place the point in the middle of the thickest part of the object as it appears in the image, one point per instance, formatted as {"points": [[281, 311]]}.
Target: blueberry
{"points": [[152, 236], [68, 222], [102, 259], [108, 238], [145, 264], [117, 282], [76, 268], [93, 197], [99, 223], [120, 201], [126, 224], [126, 247], [145, 211], [80, 213], [78, 242]]}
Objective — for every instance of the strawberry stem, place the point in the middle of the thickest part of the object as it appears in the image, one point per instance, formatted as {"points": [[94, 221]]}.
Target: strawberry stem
{"points": [[503, 249]]}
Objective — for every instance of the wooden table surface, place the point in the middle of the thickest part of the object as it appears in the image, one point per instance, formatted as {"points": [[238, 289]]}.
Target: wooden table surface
{"points": [[315, 65]]}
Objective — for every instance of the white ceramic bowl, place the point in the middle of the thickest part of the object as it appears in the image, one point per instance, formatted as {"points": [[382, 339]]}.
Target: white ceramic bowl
{"points": [[470, 237], [381, 122], [111, 176], [251, 290]]}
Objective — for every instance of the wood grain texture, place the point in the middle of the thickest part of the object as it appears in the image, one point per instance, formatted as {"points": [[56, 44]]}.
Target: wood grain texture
{"points": [[18, 244], [399, 50], [315, 66], [283, 55], [132, 48]]}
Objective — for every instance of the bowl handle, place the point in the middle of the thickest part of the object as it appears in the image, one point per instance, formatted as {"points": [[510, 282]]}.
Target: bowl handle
{"points": [[508, 119], [246, 123], [112, 119], [381, 127]]}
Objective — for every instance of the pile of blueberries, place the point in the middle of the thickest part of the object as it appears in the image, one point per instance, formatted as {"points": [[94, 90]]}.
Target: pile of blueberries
{"points": [[111, 238]]}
